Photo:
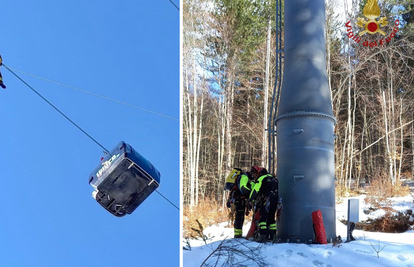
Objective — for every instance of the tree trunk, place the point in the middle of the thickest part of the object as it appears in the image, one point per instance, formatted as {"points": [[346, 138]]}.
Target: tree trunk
{"points": [[402, 143], [412, 149], [348, 138], [352, 132], [362, 146], [229, 115], [387, 142], [266, 95]]}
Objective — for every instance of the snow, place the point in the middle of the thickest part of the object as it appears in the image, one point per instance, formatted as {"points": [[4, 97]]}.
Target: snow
{"points": [[397, 248]]}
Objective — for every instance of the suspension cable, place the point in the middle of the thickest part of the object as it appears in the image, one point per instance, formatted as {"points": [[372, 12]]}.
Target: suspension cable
{"points": [[53, 106], [167, 199], [174, 5], [93, 94]]}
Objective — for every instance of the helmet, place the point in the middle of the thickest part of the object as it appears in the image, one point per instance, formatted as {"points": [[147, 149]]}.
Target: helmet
{"points": [[255, 172], [263, 171], [256, 169]]}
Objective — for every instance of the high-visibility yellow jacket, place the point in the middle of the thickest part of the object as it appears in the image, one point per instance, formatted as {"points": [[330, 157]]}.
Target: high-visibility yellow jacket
{"points": [[245, 185], [265, 185]]}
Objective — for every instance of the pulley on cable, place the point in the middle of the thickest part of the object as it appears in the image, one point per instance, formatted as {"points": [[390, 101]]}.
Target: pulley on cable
{"points": [[123, 180]]}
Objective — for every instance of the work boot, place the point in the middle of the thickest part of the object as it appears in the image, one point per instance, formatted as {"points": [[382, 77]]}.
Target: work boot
{"points": [[237, 236], [274, 239]]}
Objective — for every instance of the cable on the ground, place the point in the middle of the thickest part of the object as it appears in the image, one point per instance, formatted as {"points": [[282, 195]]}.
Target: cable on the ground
{"points": [[93, 94], [53, 106]]}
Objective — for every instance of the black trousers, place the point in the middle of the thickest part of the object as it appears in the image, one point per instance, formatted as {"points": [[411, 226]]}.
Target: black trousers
{"points": [[240, 204], [267, 221]]}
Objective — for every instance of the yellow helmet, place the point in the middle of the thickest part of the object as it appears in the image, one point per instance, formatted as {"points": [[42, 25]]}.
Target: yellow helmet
{"points": [[231, 178]]}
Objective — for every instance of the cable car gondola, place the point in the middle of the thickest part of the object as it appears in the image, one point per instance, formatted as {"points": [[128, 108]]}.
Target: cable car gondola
{"points": [[123, 180]]}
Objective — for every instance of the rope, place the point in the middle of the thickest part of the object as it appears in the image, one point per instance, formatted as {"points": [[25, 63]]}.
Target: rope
{"points": [[174, 5], [93, 94], [167, 200], [47, 101]]}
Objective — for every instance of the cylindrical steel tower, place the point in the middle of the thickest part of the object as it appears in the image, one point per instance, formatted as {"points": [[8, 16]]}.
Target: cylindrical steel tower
{"points": [[305, 123]]}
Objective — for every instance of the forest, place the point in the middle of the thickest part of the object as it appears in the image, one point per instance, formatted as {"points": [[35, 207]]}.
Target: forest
{"points": [[228, 78]]}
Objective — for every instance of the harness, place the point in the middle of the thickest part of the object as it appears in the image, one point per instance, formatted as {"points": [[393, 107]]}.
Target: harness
{"points": [[268, 191]]}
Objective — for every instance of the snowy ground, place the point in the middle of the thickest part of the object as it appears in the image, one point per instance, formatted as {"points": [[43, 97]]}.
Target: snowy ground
{"points": [[397, 249]]}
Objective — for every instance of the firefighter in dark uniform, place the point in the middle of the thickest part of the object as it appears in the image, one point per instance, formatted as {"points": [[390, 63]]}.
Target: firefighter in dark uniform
{"points": [[1, 77], [239, 184], [265, 196]]}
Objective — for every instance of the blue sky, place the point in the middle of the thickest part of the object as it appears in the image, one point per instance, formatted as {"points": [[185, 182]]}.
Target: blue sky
{"points": [[124, 50]]}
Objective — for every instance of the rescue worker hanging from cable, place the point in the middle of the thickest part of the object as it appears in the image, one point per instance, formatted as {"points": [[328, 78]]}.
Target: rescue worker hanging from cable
{"points": [[265, 197], [1, 77], [239, 184]]}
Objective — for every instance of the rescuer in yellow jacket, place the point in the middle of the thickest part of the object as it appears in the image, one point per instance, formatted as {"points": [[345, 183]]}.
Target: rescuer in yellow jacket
{"points": [[239, 184], [265, 195]]}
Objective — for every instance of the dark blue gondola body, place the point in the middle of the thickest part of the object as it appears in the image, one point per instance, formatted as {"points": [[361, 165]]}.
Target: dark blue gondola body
{"points": [[123, 180]]}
